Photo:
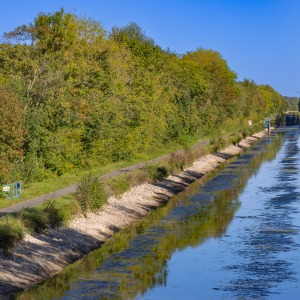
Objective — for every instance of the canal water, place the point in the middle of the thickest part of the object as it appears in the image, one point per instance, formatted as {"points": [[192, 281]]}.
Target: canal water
{"points": [[231, 235]]}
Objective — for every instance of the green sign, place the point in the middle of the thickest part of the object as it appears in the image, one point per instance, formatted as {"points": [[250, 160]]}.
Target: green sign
{"points": [[12, 190]]}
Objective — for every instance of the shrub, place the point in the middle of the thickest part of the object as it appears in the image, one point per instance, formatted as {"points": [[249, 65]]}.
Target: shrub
{"points": [[68, 207], [246, 132], [123, 183], [55, 216], [234, 138], [161, 173], [11, 232], [199, 151], [217, 144], [119, 185], [188, 158], [156, 173], [137, 177], [90, 194], [176, 162], [34, 219]]}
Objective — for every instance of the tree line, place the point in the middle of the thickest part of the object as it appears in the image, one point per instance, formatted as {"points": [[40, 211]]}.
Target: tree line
{"points": [[75, 96]]}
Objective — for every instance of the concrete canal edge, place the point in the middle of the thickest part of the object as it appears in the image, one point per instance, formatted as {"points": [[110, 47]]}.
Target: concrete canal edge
{"points": [[41, 256]]}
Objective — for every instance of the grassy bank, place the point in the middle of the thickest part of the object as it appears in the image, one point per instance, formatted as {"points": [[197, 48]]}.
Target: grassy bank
{"points": [[34, 189], [92, 194]]}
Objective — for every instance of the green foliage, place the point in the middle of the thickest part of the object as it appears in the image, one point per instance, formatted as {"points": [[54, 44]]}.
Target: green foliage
{"points": [[178, 161], [149, 173], [135, 39], [291, 103], [119, 185], [90, 194], [11, 232], [11, 131], [251, 97], [274, 101], [55, 216], [221, 81], [156, 173], [234, 138], [76, 98], [34, 219], [217, 144]]}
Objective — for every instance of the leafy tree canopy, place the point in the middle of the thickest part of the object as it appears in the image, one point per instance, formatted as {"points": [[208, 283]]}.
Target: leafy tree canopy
{"points": [[74, 97]]}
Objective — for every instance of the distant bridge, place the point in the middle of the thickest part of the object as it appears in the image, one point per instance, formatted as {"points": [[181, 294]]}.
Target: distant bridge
{"points": [[292, 118]]}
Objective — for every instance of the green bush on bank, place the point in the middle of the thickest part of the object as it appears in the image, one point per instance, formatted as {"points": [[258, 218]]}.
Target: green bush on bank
{"points": [[90, 194], [35, 220], [106, 98], [149, 173], [234, 138], [11, 232], [118, 185], [156, 173], [217, 144], [56, 216], [178, 161]]}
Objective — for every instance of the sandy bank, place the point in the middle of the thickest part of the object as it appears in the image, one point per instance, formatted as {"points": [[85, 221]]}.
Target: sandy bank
{"points": [[41, 256]]}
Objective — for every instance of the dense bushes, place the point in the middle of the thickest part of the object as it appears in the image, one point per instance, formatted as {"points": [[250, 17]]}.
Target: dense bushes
{"points": [[11, 232], [36, 220], [81, 98], [73, 97], [90, 194], [12, 130]]}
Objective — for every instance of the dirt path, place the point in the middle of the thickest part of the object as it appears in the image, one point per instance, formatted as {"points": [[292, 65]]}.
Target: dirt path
{"points": [[41, 256], [72, 188]]}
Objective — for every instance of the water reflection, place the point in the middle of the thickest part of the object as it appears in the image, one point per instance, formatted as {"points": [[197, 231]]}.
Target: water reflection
{"points": [[136, 259], [273, 238]]}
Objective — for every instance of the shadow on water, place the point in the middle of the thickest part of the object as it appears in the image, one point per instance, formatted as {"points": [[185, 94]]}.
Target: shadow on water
{"points": [[135, 259]]}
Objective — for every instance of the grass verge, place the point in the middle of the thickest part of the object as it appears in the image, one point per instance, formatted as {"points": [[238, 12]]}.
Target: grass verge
{"points": [[92, 194], [35, 189]]}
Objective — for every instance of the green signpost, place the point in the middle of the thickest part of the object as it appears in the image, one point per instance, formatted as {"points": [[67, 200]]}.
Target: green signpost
{"points": [[12, 190]]}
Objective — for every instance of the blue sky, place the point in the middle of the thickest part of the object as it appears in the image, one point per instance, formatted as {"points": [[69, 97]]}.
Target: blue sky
{"points": [[260, 39]]}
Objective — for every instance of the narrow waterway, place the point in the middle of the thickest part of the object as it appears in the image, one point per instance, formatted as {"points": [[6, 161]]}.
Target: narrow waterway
{"points": [[231, 235]]}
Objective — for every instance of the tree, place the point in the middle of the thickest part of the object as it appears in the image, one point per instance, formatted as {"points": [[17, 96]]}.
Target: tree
{"points": [[274, 101], [88, 99], [11, 131], [57, 31], [251, 97], [221, 79]]}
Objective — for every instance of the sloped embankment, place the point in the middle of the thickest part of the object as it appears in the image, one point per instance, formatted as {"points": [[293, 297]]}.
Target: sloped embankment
{"points": [[41, 256]]}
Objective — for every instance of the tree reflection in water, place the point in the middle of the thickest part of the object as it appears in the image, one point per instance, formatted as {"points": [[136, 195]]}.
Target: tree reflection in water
{"points": [[136, 258]]}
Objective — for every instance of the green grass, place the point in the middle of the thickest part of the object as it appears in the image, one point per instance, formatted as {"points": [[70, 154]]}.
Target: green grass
{"points": [[37, 219], [11, 232], [32, 190], [91, 194]]}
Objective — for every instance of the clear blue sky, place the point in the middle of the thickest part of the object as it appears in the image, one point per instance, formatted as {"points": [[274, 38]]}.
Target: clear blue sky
{"points": [[260, 39]]}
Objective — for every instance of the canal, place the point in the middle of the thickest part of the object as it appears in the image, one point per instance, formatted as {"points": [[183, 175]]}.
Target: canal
{"points": [[233, 234]]}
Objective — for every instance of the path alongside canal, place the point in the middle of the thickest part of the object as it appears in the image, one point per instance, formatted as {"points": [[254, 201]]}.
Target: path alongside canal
{"points": [[235, 236], [72, 188], [41, 256]]}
